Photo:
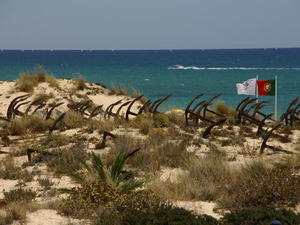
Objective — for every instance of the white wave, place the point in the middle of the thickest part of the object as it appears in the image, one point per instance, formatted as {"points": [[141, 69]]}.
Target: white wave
{"points": [[180, 67]]}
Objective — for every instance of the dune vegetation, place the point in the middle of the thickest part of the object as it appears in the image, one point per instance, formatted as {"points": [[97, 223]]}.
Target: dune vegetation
{"points": [[69, 150]]}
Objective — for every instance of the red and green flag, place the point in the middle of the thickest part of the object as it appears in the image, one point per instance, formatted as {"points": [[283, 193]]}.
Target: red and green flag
{"points": [[266, 87]]}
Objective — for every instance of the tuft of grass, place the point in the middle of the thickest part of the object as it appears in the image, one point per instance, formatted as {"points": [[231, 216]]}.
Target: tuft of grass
{"points": [[15, 212], [146, 122], [204, 179], [45, 183], [74, 120], [228, 112], [8, 170], [177, 118], [125, 144], [54, 141], [79, 83], [65, 161], [27, 125], [117, 90], [19, 195], [42, 97], [103, 125], [28, 81]]}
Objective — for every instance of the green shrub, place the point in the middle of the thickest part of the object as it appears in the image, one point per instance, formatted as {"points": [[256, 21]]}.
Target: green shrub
{"points": [[260, 216], [83, 201], [143, 122], [161, 120], [163, 215]]}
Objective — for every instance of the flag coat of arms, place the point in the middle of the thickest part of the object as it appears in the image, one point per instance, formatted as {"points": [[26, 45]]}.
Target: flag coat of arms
{"points": [[266, 87], [247, 88]]}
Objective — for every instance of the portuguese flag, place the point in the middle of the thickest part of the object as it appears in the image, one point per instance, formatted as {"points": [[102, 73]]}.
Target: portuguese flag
{"points": [[266, 87]]}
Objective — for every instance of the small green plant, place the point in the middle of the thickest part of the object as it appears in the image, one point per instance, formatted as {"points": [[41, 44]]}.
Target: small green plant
{"points": [[115, 176], [101, 186], [45, 183]]}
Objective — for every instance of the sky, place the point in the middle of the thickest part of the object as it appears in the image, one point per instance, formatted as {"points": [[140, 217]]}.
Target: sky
{"points": [[149, 24]]}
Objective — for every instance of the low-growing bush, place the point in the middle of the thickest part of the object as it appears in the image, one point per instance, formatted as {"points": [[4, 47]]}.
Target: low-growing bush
{"points": [[143, 122], [163, 215], [260, 216], [83, 201], [261, 186]]}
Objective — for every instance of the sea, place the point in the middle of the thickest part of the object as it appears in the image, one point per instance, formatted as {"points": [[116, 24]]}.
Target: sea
{"points": [[156, 73]]}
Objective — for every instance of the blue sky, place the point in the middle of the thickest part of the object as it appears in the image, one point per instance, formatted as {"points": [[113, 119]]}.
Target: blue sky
{"points": [[149, 24]]}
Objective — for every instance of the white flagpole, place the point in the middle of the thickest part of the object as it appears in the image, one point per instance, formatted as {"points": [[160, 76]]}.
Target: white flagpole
{"points": [[276, 99], [256, 89]]}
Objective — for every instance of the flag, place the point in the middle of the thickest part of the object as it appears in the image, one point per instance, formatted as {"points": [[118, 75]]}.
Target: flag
{"points": [[246, 88], [266, 87]]}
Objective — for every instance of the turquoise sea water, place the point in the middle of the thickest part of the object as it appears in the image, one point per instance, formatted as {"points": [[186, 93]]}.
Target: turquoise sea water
{"points": [[201, 71]]}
